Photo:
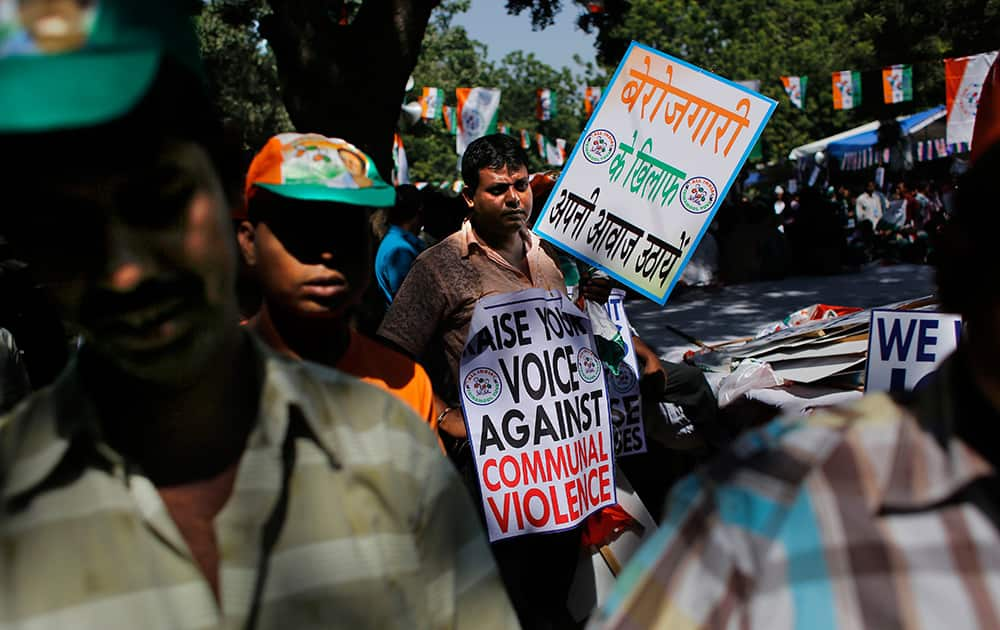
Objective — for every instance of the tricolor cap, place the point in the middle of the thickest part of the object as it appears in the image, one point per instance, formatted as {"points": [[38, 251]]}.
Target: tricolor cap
{"points": [[79, 63], [312, 167]]}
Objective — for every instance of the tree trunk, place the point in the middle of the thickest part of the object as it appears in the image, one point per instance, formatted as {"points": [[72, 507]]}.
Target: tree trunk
{"points": [[347, 80]]}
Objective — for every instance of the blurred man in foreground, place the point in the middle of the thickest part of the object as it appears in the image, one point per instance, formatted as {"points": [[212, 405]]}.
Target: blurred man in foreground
{"points": [[178, 475]]}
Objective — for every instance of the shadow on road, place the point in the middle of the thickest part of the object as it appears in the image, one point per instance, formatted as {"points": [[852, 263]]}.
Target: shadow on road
{"points": [[742, 310]]}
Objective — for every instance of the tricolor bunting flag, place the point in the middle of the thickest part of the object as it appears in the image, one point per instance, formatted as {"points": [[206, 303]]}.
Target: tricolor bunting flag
{"points": [[963, 82], [431, 102], [795, 88], [555, 153], [503, 128], [987, 129], [897, 83], [448, 114], [545, 107], [400, 166], [540, 142], [591, 97], [476, 115], [846, 89], [525, 139]]}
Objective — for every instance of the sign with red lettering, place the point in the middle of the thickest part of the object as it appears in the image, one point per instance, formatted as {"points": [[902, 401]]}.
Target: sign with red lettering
{"points": [[536, 410]]}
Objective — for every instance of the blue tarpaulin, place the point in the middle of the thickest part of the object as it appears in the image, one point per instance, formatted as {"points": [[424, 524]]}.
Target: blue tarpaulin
{"points": [[869, 138]]}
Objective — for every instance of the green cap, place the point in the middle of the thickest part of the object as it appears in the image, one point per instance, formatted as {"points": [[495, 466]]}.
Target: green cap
{"points": [[79, 63]]}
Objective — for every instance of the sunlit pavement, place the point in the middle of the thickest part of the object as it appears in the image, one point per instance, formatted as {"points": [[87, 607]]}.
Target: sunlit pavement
{"points": [[741, 310]]}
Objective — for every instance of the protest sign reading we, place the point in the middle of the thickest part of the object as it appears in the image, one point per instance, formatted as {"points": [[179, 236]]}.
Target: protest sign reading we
{"points": [[536, 410], [651, 168]]}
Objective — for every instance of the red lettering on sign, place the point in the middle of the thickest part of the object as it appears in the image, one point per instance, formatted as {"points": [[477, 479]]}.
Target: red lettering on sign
{"points": [[605, 482], [513, 481], [492, 486], [501, 519], [561, 517], [541, 520], [572, 499]]}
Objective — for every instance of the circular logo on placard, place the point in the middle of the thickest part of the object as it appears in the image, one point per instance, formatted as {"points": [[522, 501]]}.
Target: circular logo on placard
{"points": [[698, 195], [625, 380], [588, 364], [599, 146], [482, 386]]}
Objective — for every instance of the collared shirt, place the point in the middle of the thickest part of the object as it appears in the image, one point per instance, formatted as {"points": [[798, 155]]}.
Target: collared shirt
{"points": [[395, 256], [343, 514], [870, 207], [866, 516], [437, 299]]}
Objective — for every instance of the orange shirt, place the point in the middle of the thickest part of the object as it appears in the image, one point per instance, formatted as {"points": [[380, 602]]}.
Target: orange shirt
{"points": [[396, 373]]}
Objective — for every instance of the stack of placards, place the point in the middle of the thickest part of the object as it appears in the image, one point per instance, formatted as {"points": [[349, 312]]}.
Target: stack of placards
{"points": [[829, 352]]}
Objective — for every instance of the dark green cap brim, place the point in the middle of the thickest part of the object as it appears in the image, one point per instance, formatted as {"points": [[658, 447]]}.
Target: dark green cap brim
{"points": [[373, 197], [49, 92]]}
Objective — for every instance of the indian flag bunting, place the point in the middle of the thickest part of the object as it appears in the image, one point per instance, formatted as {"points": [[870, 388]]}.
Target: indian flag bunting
{"points": [[431, 103], [846, 89], [591, 97], [525, 139], [987, 128], [897, 84], [963, 81], [400, 167], [448, 113], [795, 88], [477, 114], [540, 142], [545, 108], [503, 128], [555, 153]]}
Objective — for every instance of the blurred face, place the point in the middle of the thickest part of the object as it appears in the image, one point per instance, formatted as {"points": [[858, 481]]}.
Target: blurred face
{"points": [[870, 188], [140, 258], [55, 25], [312, 258], [501, 202]]}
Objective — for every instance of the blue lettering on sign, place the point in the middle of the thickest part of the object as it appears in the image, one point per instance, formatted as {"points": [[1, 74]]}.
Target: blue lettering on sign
{"points": [[895, 338], [897, 380], [925, 339]]}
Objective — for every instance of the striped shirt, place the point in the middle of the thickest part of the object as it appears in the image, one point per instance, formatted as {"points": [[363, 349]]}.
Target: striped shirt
{"points": [[343, 514], [858, 517]]}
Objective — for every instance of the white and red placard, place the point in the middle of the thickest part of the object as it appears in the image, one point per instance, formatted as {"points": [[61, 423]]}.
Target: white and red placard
{"points": [[536, 409]]}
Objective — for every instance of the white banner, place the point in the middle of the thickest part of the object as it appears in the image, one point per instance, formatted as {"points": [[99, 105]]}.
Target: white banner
{"points": [[651, 169], [536, 409], [906, 346], [626, 401]]}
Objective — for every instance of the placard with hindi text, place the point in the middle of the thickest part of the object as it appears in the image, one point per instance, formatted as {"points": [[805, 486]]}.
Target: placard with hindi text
{"points": [[651, 169]]}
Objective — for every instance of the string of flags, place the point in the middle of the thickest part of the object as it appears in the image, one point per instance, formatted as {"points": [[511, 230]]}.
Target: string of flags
{"points": [[923, 151]]}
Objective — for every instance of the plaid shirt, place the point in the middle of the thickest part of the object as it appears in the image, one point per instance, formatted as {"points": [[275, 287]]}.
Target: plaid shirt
{"points": [[859, 517], [341, 493]]}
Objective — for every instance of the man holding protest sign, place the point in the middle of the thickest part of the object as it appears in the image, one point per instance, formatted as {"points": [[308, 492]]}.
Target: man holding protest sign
{"points": [[493, 253]]}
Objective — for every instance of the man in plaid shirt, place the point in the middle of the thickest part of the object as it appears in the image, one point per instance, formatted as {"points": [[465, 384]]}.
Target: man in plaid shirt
{"points": [[883, 514]]}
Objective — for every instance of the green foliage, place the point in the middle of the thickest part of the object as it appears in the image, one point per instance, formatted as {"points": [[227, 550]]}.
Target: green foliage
{"points": [[765, 39], [450, 59], [241, 72]]}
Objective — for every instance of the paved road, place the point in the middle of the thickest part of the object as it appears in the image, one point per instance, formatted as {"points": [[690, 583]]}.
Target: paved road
{"points": [[742, 310]]}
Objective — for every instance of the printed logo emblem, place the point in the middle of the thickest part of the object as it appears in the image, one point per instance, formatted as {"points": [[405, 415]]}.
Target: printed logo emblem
{"points": [[625, 381], [698, 195], [968, 99], [588, 364], [482, 386], [599, 146], [472, 122]]}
